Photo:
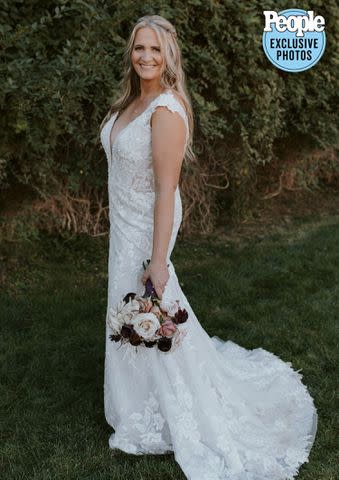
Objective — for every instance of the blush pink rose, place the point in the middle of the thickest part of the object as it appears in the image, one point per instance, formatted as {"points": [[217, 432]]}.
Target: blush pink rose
{"points": [[146, 305], [167, 329]]}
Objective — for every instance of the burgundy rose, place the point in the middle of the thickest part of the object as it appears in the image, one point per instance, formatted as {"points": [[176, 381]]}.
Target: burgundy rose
{"points": [[164, 344], [150, 344], [181, 316], [126, 331], [134, 338], [115, 338]]}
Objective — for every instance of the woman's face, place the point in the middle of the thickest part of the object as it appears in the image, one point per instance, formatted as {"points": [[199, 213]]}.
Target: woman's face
{"points": [[146, 57]]}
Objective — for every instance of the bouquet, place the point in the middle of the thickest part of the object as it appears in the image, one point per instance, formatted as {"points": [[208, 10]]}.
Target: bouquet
{"points": [[146, 320]]}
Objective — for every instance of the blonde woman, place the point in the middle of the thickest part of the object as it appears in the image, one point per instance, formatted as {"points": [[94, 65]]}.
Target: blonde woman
{"points": [[224, 411]]}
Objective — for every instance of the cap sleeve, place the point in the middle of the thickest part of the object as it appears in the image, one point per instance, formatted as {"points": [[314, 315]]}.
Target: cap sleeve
{"points": [[168, 100]]}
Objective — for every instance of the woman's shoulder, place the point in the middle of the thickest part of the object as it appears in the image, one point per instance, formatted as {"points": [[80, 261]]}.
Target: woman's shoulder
{"points": [[174, 94], [171, 99]]}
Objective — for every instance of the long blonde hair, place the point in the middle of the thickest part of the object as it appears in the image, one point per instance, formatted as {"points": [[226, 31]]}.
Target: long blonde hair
{"points": [[172, 77]]}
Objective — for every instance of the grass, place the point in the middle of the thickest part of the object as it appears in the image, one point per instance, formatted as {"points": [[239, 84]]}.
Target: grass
{"points": [[279, 291]]}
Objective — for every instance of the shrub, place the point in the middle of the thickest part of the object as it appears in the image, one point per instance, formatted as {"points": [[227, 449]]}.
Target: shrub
{"points": [[61, 64]]}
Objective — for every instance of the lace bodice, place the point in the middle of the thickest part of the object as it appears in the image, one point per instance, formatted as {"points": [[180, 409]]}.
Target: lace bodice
{"points": [[130, 158]]}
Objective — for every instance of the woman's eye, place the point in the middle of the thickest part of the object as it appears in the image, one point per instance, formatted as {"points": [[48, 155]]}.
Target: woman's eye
{"points": [[154, 48]]}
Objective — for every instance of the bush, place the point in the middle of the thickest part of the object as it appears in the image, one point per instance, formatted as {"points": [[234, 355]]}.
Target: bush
{"points": [[61, 64]]}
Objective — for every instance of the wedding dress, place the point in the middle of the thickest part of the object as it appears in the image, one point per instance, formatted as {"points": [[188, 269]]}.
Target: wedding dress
{"points": [[227, 413]]}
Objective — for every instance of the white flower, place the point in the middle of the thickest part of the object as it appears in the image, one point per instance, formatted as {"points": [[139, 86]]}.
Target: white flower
{"points": [[114, 320], [170, 307], [122, 314], [129, 310], [145, 324]]}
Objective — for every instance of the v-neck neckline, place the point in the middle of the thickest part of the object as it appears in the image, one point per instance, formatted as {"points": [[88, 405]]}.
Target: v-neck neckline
{"points": [[130, 123]]}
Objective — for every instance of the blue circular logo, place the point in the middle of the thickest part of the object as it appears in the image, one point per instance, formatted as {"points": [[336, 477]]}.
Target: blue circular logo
{"points": [[293, 40]]}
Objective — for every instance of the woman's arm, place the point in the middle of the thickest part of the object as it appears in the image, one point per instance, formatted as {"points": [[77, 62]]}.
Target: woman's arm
{"points": [[168, 143]]}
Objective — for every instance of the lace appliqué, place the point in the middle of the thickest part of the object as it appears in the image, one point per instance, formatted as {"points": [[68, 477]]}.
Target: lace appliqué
{"points": [[146, 427], [149, 424]]}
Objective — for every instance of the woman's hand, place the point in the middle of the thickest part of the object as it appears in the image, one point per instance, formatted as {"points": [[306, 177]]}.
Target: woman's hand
{"points": [[158, 273]]}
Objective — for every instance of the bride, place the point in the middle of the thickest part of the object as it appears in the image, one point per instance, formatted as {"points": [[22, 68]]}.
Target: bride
{"points": [[224, 411]]}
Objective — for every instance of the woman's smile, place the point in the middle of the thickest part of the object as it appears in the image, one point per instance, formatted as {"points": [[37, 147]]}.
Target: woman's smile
{"points": [[147, 66]]}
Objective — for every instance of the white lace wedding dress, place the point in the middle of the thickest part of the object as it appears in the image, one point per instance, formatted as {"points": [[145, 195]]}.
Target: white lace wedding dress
{"points": [[226, 412]]}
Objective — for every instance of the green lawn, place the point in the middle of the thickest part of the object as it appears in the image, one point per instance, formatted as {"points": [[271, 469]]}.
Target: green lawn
{"points": [[279, 292]]}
